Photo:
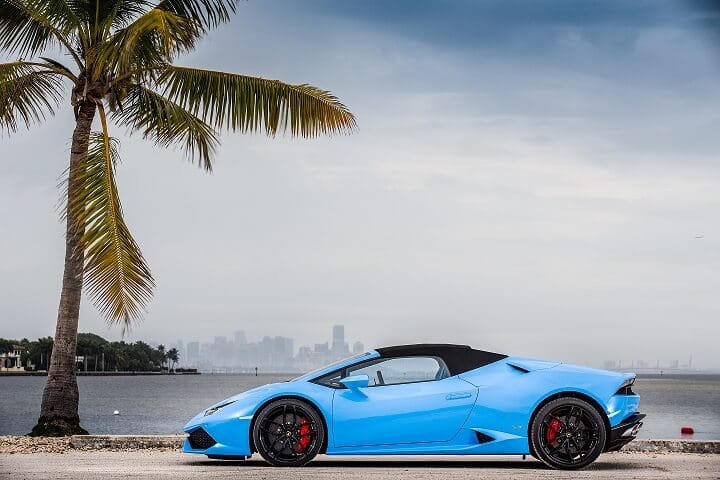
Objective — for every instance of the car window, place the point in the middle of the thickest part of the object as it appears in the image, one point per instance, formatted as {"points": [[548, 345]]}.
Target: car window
{"points": [[308, 375], [393, 371], [331, 379]]}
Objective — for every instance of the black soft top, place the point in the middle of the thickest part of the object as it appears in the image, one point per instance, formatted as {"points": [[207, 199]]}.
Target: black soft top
{"points": [[458, 358]]}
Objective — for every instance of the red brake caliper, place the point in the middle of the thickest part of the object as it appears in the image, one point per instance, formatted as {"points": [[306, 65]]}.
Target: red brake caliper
{"points": [[305, 438], [553, 429]]}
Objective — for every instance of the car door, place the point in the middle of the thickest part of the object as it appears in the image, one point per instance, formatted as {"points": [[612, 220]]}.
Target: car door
{"points": [[408, 400]]}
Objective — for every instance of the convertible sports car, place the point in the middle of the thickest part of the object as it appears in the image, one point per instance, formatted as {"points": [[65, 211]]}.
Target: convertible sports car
{"points": [[425, 400]]}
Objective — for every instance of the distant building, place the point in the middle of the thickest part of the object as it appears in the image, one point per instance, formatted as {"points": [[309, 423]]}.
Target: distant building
{"points": [[193, 353], [12, 361], [180, 346], [610, 365], [219, 356], [358, 348], [338, 334], [322, 348], [339, 347], [281, 356]]}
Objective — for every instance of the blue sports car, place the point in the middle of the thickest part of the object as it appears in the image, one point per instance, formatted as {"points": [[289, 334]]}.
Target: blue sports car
{"points": [[426, 400]]}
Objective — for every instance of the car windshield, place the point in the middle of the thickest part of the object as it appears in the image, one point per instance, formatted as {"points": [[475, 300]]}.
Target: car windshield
{"points": [[331, 366]]}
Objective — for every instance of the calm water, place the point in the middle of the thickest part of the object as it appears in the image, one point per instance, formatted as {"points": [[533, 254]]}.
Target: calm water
{"points": [[162, 405]]}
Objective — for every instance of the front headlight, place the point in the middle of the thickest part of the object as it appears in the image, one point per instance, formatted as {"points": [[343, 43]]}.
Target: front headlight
{"points": [[214, 409]]}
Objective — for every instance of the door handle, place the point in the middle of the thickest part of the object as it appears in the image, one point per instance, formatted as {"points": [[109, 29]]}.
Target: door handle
{"points": [[458, 395]]}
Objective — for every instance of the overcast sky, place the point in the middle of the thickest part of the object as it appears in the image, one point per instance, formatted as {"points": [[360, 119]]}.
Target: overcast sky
{"points": [[527, 177]]}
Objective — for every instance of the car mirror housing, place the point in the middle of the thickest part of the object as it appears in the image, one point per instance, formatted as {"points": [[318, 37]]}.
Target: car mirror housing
{"points": [[356, 381]]}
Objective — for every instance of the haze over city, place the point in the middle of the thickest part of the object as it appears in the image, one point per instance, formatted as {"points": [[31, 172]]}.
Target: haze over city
{"points": [[529, 183]]}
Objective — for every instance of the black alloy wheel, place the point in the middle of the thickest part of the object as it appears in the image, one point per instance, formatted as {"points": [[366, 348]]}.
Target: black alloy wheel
{"points": [[288, 432], [568, 434]]}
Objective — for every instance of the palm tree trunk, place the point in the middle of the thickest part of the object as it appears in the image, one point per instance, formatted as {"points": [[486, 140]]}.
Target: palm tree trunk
{"points": [[59, 412]]}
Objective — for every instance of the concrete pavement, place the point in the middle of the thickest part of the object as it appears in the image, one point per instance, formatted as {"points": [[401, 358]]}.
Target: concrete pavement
{"points": [[104, 465]]}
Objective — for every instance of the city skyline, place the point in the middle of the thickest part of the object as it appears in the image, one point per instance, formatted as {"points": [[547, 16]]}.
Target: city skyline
{"points": [[268, 354], [278, 354]]}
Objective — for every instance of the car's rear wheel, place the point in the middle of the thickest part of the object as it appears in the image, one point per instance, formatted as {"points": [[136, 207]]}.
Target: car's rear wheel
{"points": [[567, 433], [288, 432]]}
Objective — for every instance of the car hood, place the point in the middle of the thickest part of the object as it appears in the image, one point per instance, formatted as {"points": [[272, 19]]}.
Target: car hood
{"points": [[238, 405]]}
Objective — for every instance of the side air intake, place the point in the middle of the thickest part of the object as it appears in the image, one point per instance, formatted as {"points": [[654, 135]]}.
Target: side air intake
{"points": [[519, 368], [482, 438]]}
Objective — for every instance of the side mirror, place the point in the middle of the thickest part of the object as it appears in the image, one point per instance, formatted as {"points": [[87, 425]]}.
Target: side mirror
{"points": [[353, 382]]}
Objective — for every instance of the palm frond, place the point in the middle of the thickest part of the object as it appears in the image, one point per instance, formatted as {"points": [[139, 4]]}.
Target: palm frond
{"points": [[85, 10], [28, 27], [59, 68], [250, 104], [20, 31], [166, 123], [117, 276], [122, 12], [152, 39], [28, 94], [206, 13], [101, 14]]}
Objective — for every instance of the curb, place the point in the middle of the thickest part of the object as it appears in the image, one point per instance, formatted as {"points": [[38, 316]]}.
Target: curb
{"points": [[673, 446], [140, 442], [126, 442]]}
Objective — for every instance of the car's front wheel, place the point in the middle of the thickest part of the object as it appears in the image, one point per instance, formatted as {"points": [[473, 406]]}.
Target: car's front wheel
{"points": [[288, 432], [567, 433]]}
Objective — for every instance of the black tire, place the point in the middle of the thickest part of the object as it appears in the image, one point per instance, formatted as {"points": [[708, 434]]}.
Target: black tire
{"points": [[288, 432], [567, 434]]}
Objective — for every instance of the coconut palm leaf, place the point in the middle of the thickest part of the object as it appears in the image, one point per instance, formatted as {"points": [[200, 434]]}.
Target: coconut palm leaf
{"points": [[167, 123], [118, 13], [117, 276], [206, 13], [249, 104], [21, 29], [150, 40], [59, 68], [28, 27], [100, 15], [28, 94]]}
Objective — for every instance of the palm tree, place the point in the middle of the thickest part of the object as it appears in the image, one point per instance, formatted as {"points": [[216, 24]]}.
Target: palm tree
{"points": [[120, 57], [172, 355], [163, 355]]}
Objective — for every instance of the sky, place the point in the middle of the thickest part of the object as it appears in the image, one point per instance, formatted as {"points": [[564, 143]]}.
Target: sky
{"points": [[530, 177]]}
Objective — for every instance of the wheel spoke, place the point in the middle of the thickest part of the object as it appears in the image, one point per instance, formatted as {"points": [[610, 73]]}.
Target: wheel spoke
{"points": [[572, 418], [272, 445], [574, 444], [295, 416], [565, 445], [284, 443]]}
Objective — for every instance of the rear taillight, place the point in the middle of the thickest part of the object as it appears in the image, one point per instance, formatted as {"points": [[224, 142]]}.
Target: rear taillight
{"points": [[626, 388]]}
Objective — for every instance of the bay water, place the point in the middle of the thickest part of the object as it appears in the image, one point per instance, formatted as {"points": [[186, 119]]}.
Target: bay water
{"points": [[162, 404]]}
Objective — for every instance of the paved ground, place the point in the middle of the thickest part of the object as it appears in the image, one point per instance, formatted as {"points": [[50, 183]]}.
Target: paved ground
{"points": [[101, 465]]}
